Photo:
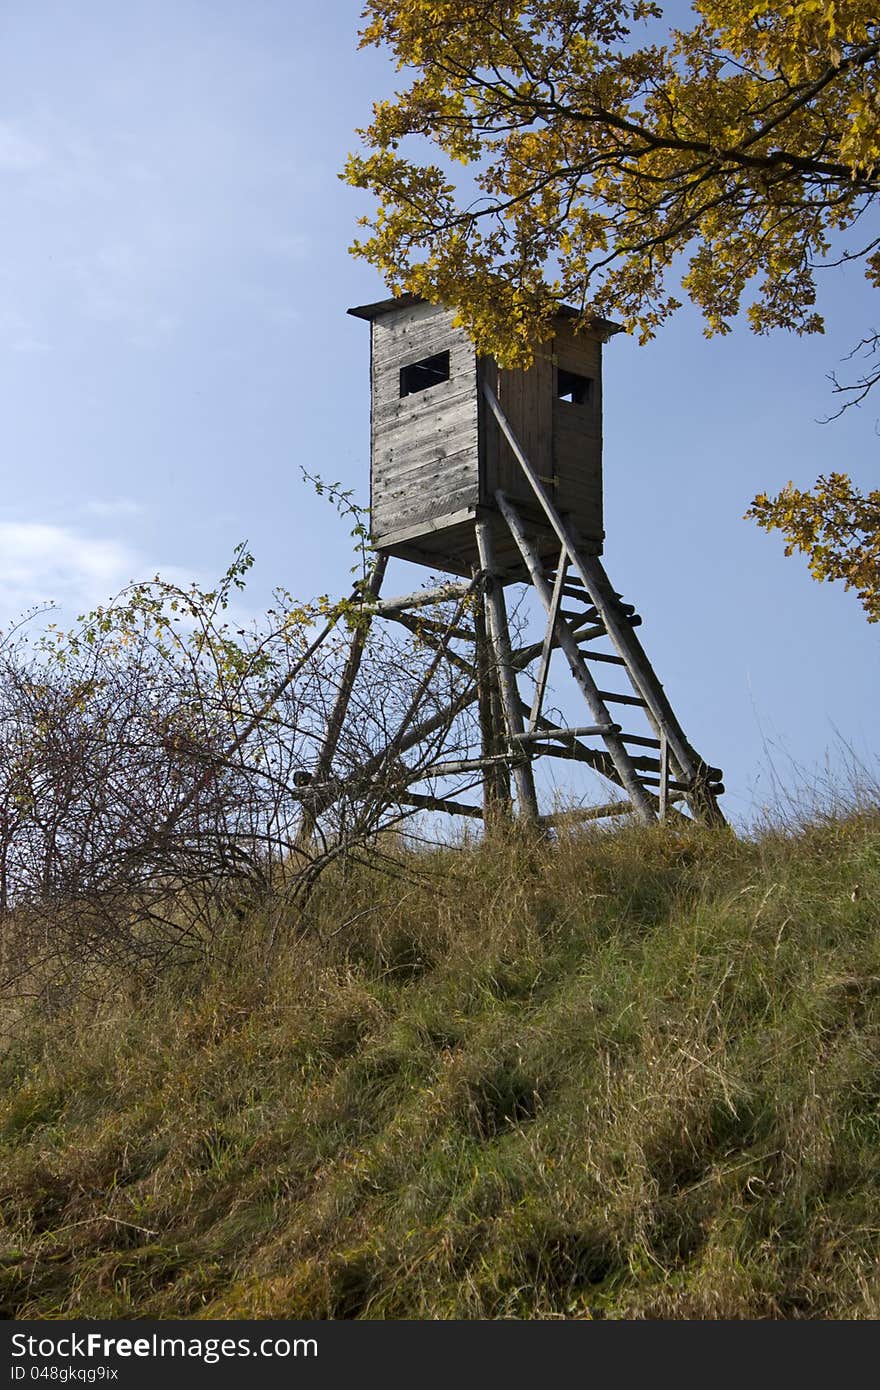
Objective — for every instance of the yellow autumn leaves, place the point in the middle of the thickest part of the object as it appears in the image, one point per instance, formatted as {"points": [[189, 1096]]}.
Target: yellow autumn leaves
{"points": [[609, 164]]}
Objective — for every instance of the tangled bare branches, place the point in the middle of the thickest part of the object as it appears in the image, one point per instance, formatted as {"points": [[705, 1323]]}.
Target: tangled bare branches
{"points": [[154, 764]]}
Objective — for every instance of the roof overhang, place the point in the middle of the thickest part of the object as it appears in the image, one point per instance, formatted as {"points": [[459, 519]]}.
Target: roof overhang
{"points": [[405, 301]]}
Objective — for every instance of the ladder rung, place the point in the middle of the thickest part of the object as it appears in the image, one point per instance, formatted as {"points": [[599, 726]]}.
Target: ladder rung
{"points": [[581, 731], [573, 583], [588, 634], [622, 699], [634, 619], [604, 656], [591, 634], [583, 594], [628, 609], [593, 615], [716, 788], [648, 780], [572, 586], [646, 764], [652, 766]]}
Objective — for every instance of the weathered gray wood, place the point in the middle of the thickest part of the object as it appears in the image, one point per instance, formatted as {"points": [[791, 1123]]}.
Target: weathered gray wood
{"points": [[682, 756], [438, 450], [615, 699], [398, 534], [413, 334], [439, 803], [573, 751], [426, 503], [587, 813], [664, 776], [440, 468], [395, 355], [430, 514], [714, 789], [422, 598], [497, 803], [549, 641], [499, 637], [455, 469], [603, 656], [583, 346], [426, 416], [580, 731], [454, 766], [438, 458], [640, 671], [577, 457], [588, 634], [424, 445], [395, 348], [619, 754]]}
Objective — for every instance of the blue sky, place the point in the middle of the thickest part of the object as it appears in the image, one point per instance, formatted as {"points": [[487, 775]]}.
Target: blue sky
{"points": [[174, 345]]}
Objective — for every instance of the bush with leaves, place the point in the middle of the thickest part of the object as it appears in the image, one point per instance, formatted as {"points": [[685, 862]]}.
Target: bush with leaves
{"points": [[155, 762]]}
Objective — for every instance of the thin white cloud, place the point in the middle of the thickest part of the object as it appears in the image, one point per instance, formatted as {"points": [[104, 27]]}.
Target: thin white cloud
{"points": [[41, 563], [30, 347], [114, 507], [18, 335], [18, 152], [126, 226]]}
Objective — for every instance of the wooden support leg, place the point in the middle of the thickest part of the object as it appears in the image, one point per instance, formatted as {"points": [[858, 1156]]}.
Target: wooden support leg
{"points": [[550, 639], [499, 637], [681, 756], [701, 798], [664, 776], [641, 802], [496, 778]]}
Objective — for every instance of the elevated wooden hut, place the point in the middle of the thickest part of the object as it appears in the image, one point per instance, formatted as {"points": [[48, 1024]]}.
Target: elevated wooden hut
{"points": [[438, 455]]}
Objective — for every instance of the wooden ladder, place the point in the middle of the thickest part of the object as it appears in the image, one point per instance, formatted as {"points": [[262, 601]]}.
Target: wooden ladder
{"points": [[669, 770]]}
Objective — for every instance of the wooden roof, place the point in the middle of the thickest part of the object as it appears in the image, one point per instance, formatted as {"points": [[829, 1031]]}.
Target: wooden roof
{"points": [[403, 301]]}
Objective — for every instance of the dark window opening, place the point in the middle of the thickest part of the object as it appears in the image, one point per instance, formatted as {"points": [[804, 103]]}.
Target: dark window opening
{"points": [[576, 390], [418, 376]]}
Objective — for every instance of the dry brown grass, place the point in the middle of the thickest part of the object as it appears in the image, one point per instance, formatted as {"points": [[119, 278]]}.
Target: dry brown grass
{"points": [[628, 1075]]}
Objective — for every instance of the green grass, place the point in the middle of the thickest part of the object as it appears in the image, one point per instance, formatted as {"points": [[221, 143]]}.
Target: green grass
{"points": [[627, 1075]]}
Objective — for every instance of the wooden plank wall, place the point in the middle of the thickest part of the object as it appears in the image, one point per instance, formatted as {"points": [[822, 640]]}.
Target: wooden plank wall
{"points": [[526, 399], [562, 441], [438, 454], [577, 435], [424, 446]]}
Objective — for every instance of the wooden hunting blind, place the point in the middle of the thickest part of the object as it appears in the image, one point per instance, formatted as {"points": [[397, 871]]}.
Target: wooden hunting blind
{"points": [[438, 456], [496, 476]]}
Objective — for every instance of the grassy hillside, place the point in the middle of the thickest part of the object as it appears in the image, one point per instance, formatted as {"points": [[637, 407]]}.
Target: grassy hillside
{"points": [[630, 1075]]}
